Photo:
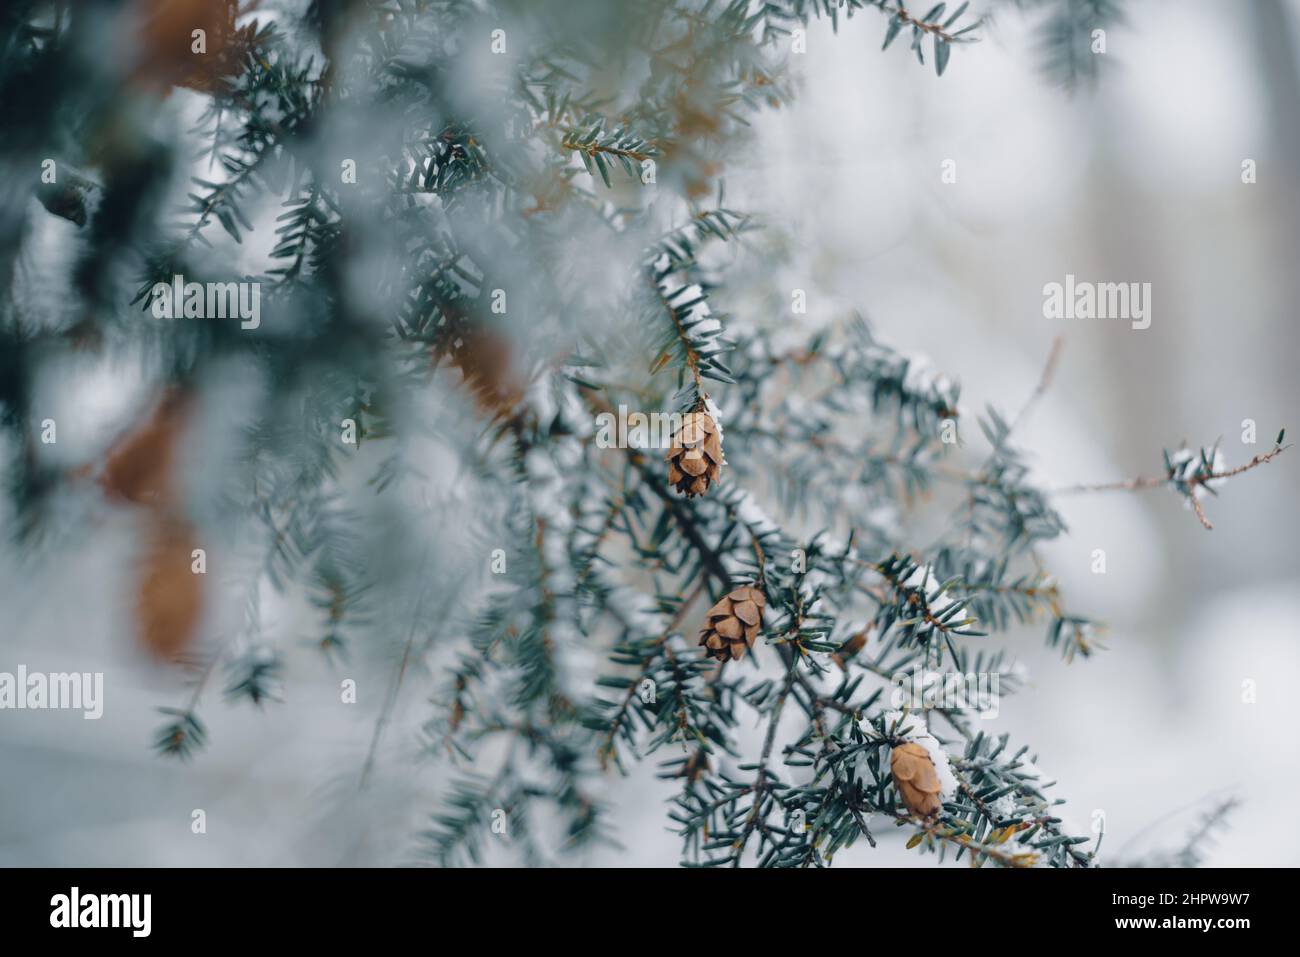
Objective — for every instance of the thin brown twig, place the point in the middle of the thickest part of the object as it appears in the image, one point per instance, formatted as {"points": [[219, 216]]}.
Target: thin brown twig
{"points": [[591, 149], [1145, 482], [1044, 382], [961, 839], [692, 357], [755, 818], [925, 26], [390, 701]]}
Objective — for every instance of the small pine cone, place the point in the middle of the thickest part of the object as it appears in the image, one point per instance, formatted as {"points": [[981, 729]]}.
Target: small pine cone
{"points": [[169, 595], [916, 780], [850, 648], [142, 466], [733, 623], [485, 360], [695, 459]]}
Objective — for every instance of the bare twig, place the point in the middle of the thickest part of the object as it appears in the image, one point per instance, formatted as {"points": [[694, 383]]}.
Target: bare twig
{"points": [[1044, 382], [1194, 483]]}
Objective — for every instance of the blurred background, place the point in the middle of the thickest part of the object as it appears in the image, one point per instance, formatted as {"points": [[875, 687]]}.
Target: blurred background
{"points": [[1136, 180]]}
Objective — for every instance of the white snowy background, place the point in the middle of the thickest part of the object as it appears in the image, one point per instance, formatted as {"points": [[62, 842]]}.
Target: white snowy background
{"points": [[1138, 181]]}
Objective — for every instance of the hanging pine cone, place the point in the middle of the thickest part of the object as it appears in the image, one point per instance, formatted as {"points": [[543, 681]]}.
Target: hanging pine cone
{"points": [[850, 648], [169, 595], [143, 468], [733, 623], [916, 780], [695, 459]]}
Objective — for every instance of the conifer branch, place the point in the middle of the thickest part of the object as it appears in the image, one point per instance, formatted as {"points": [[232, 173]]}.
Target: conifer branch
{"points": [[1188, 476]]}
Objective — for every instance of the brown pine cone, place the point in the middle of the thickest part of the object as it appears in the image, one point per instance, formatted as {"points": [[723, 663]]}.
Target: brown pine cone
{"points": [[166, 44], [916, 780], [695, 459], [484, 357], [850, 648], [733, 623], [142, 466], [169, 595]]}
